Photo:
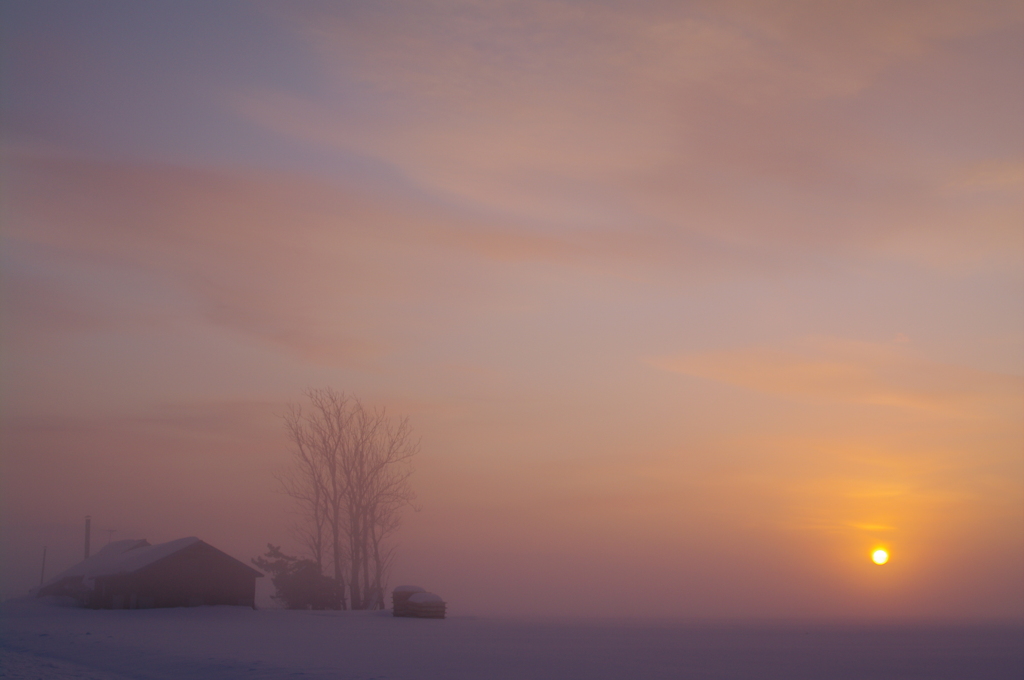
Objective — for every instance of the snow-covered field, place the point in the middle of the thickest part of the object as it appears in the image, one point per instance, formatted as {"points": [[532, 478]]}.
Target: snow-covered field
{"points": [[41, 640]]}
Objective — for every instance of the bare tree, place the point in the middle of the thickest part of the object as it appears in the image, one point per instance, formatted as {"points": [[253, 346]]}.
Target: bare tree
{"points": [[389, 492], [350, 479], [376, 464]]}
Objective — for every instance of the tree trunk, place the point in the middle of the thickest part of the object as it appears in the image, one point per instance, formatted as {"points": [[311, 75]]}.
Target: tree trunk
{"points": [[356, 561], [339, 574]]}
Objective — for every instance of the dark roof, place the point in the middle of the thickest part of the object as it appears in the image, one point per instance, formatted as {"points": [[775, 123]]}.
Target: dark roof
{"points": [[130, 556]]}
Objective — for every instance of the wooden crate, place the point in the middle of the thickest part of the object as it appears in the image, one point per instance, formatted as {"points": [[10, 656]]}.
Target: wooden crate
{"points": [[400, 600], [426, 606]]}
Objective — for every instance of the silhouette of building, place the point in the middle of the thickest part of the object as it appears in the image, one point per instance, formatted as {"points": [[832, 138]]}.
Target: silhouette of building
{"points": [[132, 574], [414, 601]]}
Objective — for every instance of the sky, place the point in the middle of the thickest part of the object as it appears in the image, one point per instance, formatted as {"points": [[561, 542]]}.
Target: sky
{"points": [[692, 305]]}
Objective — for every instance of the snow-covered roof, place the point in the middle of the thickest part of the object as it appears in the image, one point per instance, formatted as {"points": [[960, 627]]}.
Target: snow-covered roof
{"points": [[98, 563], [118, 547], [143, 557], [424, 598], [124, 557]]}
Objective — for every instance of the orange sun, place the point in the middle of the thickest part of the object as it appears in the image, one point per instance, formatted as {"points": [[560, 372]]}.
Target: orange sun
{"points": [[880, 556]]}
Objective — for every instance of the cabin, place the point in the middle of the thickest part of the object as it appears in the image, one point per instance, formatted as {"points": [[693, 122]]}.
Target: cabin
{"points": [[132, 574]]}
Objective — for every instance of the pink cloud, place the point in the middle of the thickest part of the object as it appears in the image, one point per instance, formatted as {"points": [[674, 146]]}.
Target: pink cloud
{"points": [[838, 370], [730, 123]]}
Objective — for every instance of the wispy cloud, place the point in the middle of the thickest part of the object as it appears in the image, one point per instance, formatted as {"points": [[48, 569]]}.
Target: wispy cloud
{"points": [[840, 370], [708, 121]]}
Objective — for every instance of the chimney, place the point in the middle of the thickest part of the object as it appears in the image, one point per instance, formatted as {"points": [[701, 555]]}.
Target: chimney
{"points": [[88, 521]]}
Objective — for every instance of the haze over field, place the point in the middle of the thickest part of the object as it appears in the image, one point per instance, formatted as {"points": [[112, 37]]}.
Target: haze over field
{"points": [[693, 304]]}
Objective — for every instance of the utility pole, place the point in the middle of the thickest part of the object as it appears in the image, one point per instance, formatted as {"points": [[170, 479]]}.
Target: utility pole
{"points": [[88, 521]]}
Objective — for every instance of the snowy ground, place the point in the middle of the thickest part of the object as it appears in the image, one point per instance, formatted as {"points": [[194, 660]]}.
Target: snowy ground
{"points": [[40, 640]]}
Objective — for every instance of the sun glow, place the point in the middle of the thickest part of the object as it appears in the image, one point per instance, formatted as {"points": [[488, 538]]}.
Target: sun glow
{"points": [[880, 556]]}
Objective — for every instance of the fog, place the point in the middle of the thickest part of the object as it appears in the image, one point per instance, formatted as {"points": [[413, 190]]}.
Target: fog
{"points": [[690, 307]]}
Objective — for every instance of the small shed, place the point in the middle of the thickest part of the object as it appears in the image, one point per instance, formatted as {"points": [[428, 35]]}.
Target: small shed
{"points": [[416, 602], [133, 574], [400, 599], [427, 605]]}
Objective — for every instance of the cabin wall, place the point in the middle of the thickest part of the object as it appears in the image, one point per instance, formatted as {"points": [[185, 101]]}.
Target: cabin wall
{"points": [[198, 575]]}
